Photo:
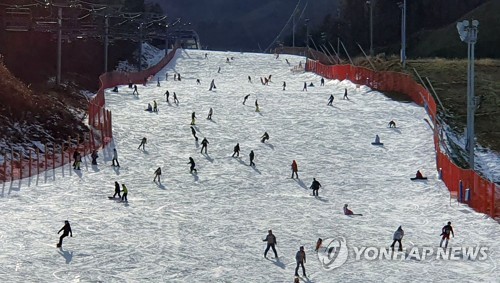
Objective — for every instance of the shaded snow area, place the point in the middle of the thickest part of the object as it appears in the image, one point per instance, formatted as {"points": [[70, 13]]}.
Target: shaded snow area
{"points": [[150, 57], [209, 227]]}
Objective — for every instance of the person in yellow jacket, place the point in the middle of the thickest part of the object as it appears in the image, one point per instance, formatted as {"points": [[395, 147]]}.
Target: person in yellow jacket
{"points": [[125, 192]]}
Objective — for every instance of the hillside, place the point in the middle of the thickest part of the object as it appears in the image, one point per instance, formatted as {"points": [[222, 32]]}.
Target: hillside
{"points": [[48, 116]]}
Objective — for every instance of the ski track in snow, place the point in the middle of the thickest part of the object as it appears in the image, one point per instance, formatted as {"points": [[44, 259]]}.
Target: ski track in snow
{"points": [[209, 227]]}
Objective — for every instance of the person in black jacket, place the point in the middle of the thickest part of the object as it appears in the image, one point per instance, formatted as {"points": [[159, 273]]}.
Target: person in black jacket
{"points": [[264, 137], [67, 231], [193, 118], [236, 150], [300, 258], [204, 144], [144, 140], [167, 94], [245, 98], [252, 156], [271, 242], [94, 157], [157, 174], [191, 169], [315, 187], [117, 190], [193, 131], [445, 233]]}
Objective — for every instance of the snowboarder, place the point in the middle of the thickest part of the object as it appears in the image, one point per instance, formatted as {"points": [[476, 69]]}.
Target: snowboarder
{"points": [[179, 77], [155, 106], [212, 85], [288, 62], [300, 258], [284, 85], [264, 137], [117, 190], [144, 140], [311, 84], [167, 94], [315, 187], [398, 236], [252, 156], [135, 90], [347, 211], [295, 169], [377, 140], [157, 174], [305, 86], [78, 160], [392, 124], [249, 79], [419, 175], [66, 231], [204, 144], [218, 71], [115, 89], [206, 55], [322, 82], [236, 150], [193, 131], [210, 112], [345, 95], [330, 100], [149, 108], [271, 242], [198, 82], [115, 158], [245, 99], [191, 169], [176, 101], [94, 157], [158, 82], [256, 106], [125, 193], [193, 118], [445, 232]]}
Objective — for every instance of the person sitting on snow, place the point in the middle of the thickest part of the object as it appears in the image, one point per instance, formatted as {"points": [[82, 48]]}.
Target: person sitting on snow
{"points": [[347, 211], [419, 175], [150, 108]]}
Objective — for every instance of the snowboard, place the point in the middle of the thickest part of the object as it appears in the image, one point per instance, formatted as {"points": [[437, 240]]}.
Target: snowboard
{"points": [[377, 143], [413, 179]]}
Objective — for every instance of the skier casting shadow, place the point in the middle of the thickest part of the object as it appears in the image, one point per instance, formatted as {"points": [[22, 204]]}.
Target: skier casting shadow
{"points": [[66, 254]]}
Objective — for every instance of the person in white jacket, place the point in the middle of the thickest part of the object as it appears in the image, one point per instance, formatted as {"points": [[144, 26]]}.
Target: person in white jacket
{"points": [[398, 236]]}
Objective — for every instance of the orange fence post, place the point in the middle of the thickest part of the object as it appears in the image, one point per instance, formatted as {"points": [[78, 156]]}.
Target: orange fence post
{"points": [[21, 162]]}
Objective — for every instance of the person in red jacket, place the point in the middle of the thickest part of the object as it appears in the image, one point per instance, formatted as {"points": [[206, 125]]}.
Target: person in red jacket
{"points": [[419, 175], [347, 211], [295, 169]]}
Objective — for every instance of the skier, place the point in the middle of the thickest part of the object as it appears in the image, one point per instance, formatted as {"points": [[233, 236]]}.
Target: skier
{"points": [[198, 82], [347, 211], [157, 174], [284, 85], [445, 232], [179, 77], [75, 153], [264, 137], [256, 106], [115, 158], [305, 86], [330, 100], [236, 150], [245, 99], [212, 85], [271, 242], [66, 231], [155, 106], [175, 77], [249, 79], [300, 257], [252, 156], [176, 101], [78, 160], [295, 169], [94, 157], [135, 90], [287, 62], [191, 169], [204, 144], [167, 94], [322, 81], [392, 124], [158, 82], [315, 187], [193, 118], [218, 71], [125, 193], [398, 236], [206, 55], [210, 112], [193, 131], [117, 190], [311, 84], [144, 140], [345, 95], [115, 89]]}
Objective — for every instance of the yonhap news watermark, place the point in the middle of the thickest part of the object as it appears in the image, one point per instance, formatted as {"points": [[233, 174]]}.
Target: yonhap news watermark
{"points": [[335, 252]]}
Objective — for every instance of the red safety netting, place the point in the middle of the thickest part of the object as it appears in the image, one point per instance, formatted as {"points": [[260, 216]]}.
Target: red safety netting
{"points": [[479, 193]]}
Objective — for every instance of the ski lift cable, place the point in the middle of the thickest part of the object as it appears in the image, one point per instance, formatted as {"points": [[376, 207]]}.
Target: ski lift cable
{"points": [[284, 27]]}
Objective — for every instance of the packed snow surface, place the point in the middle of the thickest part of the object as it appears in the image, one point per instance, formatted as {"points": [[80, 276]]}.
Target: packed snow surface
{"points": [[208, 227]]}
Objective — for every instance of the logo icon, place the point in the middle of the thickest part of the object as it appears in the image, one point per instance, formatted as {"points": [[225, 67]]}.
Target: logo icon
{"points": [[333, 253]]}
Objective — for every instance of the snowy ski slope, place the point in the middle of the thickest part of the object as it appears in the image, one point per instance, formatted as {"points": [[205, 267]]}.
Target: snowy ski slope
{"points": [[209, 227]]}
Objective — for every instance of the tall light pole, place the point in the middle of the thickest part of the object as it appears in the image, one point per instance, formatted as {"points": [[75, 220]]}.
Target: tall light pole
{"points": [[307, 36], [106, 42], [141, 31], [59, 45], [402, 5], [468, 33], [370, 4]]}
